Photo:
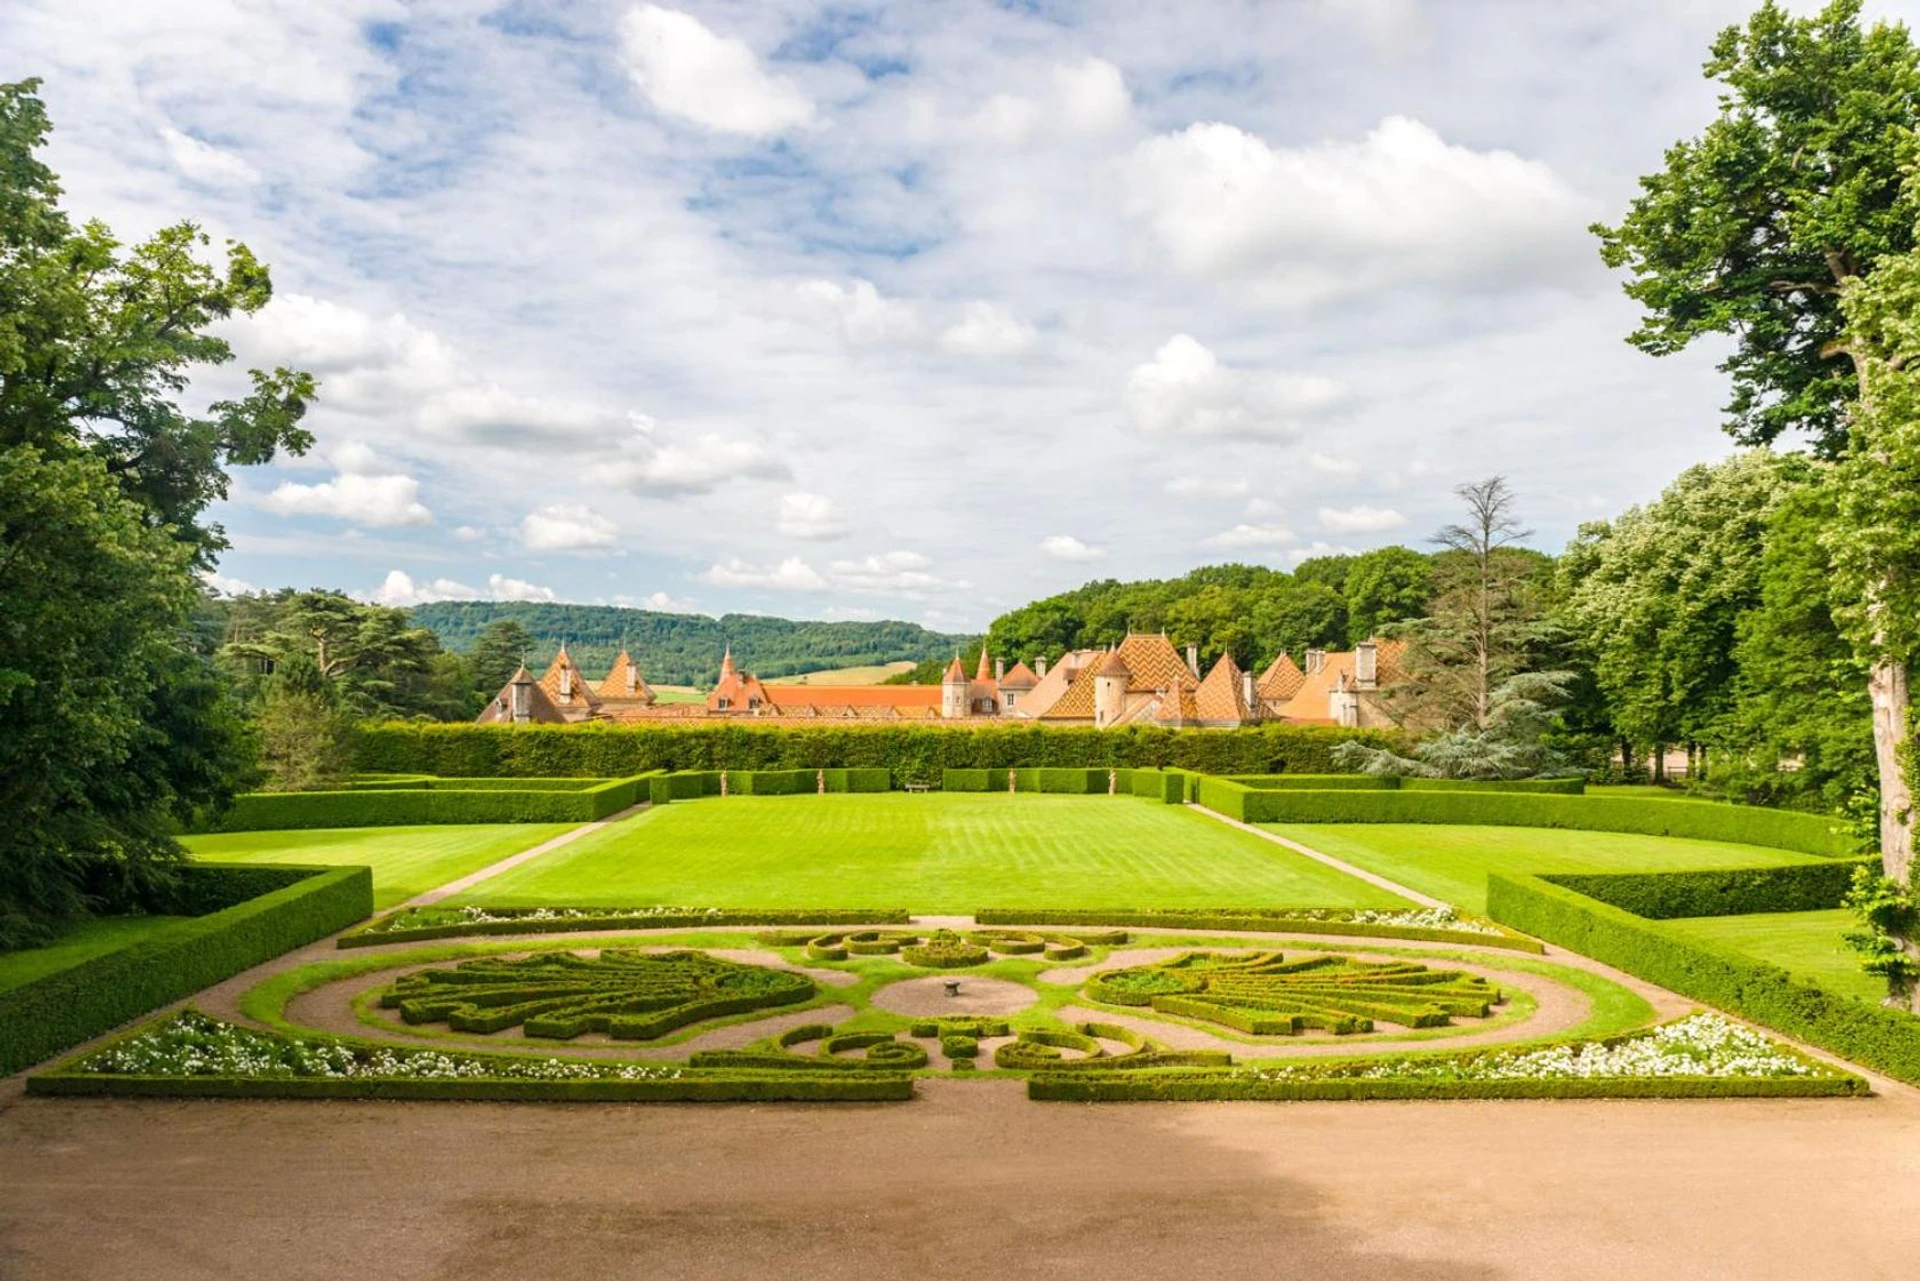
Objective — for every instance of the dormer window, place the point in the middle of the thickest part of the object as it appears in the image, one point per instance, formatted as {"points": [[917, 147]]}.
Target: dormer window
{"points": [[725, 703]]}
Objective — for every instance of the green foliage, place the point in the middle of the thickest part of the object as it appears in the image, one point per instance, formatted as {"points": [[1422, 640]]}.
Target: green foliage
{"points": [[1889, 920], [498, 651], [1404, 783], [411, 925], [682, 649], [1513, 741], [626, 995], [1272, 920], [1698, 820], [969, 780], [1796, 186], [370, 659], [305, 739], [1743, 891], [393, 807], [910, 752], [1039, 1049], [1247, 610], [1264, 994], [1657, 596], [257, 914], [1885, 1040], [113, 732], [944, 950]]}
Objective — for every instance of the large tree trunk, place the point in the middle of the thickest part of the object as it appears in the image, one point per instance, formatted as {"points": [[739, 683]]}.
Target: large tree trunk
{"points": [[1887, 689]]}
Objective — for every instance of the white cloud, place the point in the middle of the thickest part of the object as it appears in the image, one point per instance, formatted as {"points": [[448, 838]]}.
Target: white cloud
{"points": [[790, 575], [1093, 96], [204, 163], [1068, 548], [899, 573], [225, 584], [366, 492], [811, 516], [697, 466], [1244, 535], [715, 81], [1309, 222], [500, 587], [1185, 390], [399, 589], [1317, 548], [1330, 466], [1205, 487], [567, 527], [668, 604], [850, 614], [469, 533], [1360, 519], [987, 330], [857, 310]]}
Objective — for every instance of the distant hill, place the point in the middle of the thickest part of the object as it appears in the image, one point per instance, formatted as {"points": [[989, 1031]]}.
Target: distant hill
{"points": [[684, 649]]}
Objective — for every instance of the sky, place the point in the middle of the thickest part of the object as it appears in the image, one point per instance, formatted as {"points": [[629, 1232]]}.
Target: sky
{"points": [[903, 310]]}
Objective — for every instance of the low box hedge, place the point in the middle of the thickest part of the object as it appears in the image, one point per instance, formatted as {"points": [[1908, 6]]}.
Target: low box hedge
{"points": [[543, 920], [968, 780], [1394, 783], [400, 807], [476, 785], [1697, 820], [1886, 1040], [1190, 1087], [1249, 921], [860, 779], [772, 782], [710, 1087], [263, 912], [1073, 782], [1742, 891]]}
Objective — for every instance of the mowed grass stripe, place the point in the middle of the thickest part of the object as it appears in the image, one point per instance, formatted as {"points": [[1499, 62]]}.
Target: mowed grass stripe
{"points": [[405, 860], [1452, 863], [1809, 945], [938, 853]]}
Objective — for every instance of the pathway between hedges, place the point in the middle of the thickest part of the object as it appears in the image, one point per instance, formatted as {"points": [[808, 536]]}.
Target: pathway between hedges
{"points": [[492, 870], [1358, 873]]}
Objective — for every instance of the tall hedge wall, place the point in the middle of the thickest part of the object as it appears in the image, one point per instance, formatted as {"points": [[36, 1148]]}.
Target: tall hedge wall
{"points": [[263, 912], [1699, 820], [910, 751], [396, 807], [1885, 1040], [1660, 896], [1393, 783]]}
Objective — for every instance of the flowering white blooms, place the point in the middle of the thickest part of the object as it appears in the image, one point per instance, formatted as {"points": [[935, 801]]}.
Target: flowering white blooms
{"points": [[191, 1044], [1421, 918], [1702, 1045], [434, 917]]}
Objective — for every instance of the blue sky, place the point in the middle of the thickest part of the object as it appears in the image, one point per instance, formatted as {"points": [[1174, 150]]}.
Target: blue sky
{"points": [[902, 310]]}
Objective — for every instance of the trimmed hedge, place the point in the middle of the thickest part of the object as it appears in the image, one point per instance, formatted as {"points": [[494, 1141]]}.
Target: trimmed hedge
{"points": [[1659, 896], [909, 751], [378, 932], [294, 906], [1885, 1040], [474, 785], [714, 1087], [400, 807], [1074, 781], [969, 780], [686, 785], [1251, 920], [1698, 820], [772, 782], [1394, 783], [1168, 786], [1190, 1087]]}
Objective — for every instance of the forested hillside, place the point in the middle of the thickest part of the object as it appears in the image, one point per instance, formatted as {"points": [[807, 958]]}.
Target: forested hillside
{"points": [[685, 649]]}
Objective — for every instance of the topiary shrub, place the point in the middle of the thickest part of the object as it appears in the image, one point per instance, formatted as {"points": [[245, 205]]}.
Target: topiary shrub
{"points": [[944, 950]]}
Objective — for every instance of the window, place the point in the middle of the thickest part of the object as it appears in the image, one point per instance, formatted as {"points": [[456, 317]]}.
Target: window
{"points": [[725, 703]]}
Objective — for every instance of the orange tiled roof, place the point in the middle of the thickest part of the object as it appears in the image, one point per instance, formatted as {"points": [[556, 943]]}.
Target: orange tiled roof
{"points": [[830, 696], [625, 682], [1312, 701], [1151, 663], [582, 693], [1281, 681], [1020, 676], [1222, 695], [540, 708]]}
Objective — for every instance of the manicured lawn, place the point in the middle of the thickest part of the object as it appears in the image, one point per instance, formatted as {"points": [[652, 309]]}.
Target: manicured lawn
{"points": [[941, 853], [405, 860], [1452, 863], [95, 938], [1806, 944]]}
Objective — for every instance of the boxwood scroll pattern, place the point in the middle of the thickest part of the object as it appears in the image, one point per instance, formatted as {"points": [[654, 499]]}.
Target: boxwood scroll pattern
{"points": [[943, 949], [1267, 995], [626, 995]]}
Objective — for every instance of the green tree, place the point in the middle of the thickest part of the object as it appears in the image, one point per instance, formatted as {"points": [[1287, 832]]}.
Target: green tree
{"points": [[502, 646], [1485, 619], [113, 729], [1384, 586], [304, 735], [378, 662], [1657, 596], [1757, 230]]}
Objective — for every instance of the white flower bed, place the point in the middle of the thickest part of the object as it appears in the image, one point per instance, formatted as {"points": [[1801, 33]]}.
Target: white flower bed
{"points": [[192, 1044], [1702, 1045]]}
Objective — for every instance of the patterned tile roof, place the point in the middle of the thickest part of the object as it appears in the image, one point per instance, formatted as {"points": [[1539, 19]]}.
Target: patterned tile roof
{"points": [[1152, 664], [1312, 701], [540, 708], [1221, 696], [625, 682], [1019, 676], [566, 686], [1282, 680]]}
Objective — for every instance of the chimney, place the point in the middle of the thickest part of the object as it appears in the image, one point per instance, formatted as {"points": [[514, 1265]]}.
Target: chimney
{"points": [[1246, 692], [999, 670], [1316, 659], [633, 679], [1040, 667], [566, 684], [1193, 659], [1366, 664], [522, 695]]}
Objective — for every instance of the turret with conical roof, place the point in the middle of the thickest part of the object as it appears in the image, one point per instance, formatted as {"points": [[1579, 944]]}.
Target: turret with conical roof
{"points": [[953, 691], [1111, 676]]}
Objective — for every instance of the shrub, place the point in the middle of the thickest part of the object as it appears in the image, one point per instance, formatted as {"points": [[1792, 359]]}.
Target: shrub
{"points": [[397, 807], [1187, 1087], [1253, 920], [772, 782], [977, 1026], [294, 906], [918, 751], [1885, 1040], [957, 1045], [1169, 786], [1804, 887], [1074, 782], [968, 780], [944, 950], [414, 924], [1698, 820]]}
